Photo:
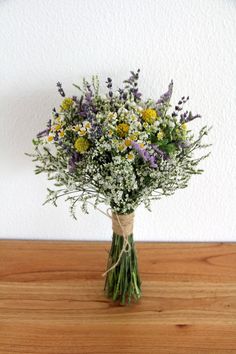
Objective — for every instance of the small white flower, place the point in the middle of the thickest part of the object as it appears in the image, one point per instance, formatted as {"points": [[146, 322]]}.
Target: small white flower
{"points": [[87, 124], [50, 137], [111, 115], [82, 132], [121, 147], [130, 156], [76, 128], [156, 123], [171, 124], [58, 120]]}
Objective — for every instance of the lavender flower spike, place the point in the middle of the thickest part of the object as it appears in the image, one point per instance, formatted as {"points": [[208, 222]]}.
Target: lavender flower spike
{"points": [[159, 151], [73, 160], [46, 131], [184, 118], [152, 161], [43, 133], [165, 98], [145, 154], [60, 89]]}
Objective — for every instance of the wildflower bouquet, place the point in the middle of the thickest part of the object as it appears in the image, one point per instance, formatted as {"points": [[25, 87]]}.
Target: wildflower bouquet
{"points": [[121, 150]]}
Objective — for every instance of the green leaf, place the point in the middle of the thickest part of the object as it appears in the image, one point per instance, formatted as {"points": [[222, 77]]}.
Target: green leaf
{"points": [[168, 148]]}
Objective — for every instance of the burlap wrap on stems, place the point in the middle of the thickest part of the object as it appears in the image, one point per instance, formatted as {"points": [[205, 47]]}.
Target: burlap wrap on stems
{"points": [[122, 224]]}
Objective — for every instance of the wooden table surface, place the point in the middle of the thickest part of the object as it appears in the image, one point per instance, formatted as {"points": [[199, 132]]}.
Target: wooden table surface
{"points": [[52, 301]]}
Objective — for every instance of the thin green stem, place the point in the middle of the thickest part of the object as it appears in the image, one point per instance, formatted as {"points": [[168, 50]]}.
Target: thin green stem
{"points": [[122, 282]]}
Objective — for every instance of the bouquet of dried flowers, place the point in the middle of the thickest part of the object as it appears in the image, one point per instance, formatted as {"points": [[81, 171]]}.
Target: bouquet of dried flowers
{"points": [[121, 150]]}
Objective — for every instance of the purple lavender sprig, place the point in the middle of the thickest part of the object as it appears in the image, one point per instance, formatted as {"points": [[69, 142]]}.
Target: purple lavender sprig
{"points": [[55, 114], [145, 154], [179, 106], [76, 157], [43, 133], [60, 89], [132, 84], [109, 86], [160, 152], [46, 131], [165, 98], [188, 117], [88, 95]]}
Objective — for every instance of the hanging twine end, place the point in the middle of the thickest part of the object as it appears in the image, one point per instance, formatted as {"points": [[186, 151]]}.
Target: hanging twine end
{"points": [[122, 225]]}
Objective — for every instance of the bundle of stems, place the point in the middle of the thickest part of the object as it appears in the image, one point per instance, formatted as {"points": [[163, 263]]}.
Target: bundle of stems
{"points": [[123, 281]]}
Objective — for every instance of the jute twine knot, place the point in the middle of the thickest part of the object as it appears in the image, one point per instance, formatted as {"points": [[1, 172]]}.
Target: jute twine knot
{"points": [[122, 225]]}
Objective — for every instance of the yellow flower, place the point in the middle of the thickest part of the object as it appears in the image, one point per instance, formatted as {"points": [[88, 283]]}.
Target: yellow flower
{"points": [[128, 142], [130, 156], [160, 135], [149, 115], [50, 138], [122, 129], [57, 127], [81, 145], [184, 126], [61, 134], [141, 145], [66, 104]]}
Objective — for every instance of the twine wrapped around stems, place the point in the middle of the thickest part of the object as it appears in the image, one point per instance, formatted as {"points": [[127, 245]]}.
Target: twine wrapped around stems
{"points": [[122, 225]]}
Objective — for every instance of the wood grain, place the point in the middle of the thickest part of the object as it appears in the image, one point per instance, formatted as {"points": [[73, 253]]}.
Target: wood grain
{"points": [[52, 301]]}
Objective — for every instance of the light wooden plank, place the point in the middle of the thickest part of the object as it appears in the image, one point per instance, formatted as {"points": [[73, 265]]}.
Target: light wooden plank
{"points": [[52, 301]]}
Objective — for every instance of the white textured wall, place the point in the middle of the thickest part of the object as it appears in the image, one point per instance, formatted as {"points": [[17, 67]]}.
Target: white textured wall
{"points": [[191, 41]]}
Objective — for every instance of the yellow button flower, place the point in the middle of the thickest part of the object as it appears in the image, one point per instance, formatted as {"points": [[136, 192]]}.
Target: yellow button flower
{"points": [[149, 115], [81, 145], [66, 104], [122, 129], [184, 126]]}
